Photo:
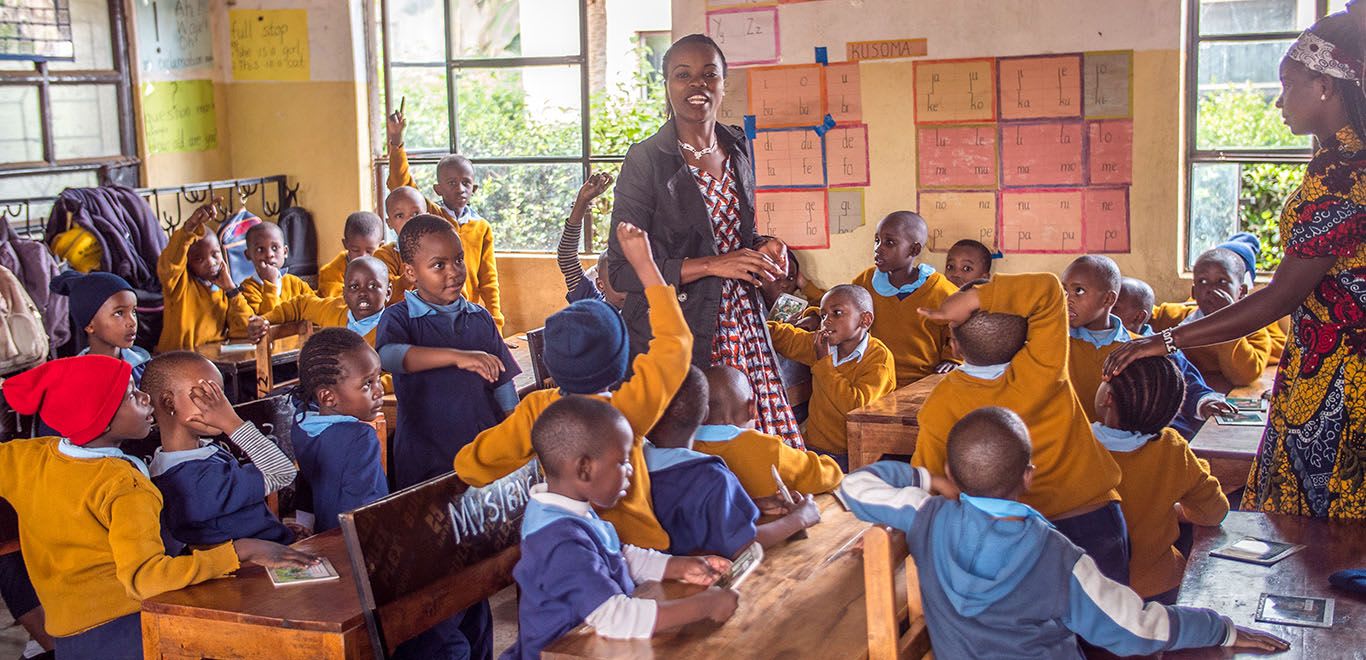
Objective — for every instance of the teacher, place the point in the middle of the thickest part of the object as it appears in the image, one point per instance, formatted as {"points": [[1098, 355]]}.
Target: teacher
{"points": [[1312, 460], [691, 186]]}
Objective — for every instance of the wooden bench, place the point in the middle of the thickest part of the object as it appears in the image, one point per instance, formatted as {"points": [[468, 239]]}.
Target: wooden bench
{"points": [[893, 604], [888, 425]]}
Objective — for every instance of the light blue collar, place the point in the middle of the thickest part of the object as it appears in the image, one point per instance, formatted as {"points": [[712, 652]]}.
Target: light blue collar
{"points": [[163, 461], [66, 447], [882, 283], [717, 433], [856, 354], [546, 507], [1146, 330], [133, 355], [663, 458], [984, 371], [1117, 440], [465, 215], [314, 423], [1193, 317], [363, 326], [1117, 333], [417, 307], [1002, 508], [213, 288]]}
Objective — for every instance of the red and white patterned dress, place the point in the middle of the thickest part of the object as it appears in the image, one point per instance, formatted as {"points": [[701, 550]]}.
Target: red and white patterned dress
{"points": [[741, 339]]}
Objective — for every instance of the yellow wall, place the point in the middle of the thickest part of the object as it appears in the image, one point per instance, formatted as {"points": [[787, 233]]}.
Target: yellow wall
{"points": [[532, 288]]}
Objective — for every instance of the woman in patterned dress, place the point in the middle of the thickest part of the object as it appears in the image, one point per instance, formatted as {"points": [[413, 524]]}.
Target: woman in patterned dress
{"points": [[1312, 460], [691, 186]]}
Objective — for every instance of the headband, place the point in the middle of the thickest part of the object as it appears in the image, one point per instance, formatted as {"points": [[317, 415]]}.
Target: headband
{"points": [[1319, 55]]}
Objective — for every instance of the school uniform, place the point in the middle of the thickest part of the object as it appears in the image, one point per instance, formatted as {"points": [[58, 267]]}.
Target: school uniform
{"points": [[262, 297], [576, 282], [339, 459], [136, 356], [332, 276], [839, 383], [752, 455], [1198, 393], [196, 311], [699, 502], [1241, 361], [916, 344], [1087, 351]]}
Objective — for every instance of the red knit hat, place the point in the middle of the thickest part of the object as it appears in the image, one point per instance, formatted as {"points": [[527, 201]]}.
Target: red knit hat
{"points": [[76, 396]]}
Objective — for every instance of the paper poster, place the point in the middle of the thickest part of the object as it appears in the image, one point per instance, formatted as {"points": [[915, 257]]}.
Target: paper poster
{"points": [[269, 44], [888, 49], [846, 209], [1042, 154], [843, 93], [957, 156], [172, 35], [782, 96], [1041, 221], [735, 102], [954, 215], [1107, 219], [179, 116], [846, 156], [788, 158], [1110, 146], [747, 36], [955, 91], [731, 4], [796, 216], [1109, 84], [1041, 87]]}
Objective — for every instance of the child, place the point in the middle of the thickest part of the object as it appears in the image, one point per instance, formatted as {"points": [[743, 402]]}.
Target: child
{"points": [[89, 515], [586, 353], [454, 185], [849, 367], [361, 236], [196, 286], [579, 285], [697, 499], [794, 283], [1092, 284], [900, 286], [1021, 364], [452, 372], [339, 393], [1163, 481], [269, 287], [358, 306], [729, 432], [574, 568], [104, 305], [968, 261], [995, 578], [209, 497], [403, 204]]}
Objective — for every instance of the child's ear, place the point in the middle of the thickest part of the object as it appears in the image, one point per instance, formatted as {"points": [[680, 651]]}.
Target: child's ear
{"points": [[474, 189], [90, 329], [409, 273], [164, 401], [1028, 479], [1111, 297], [916, 248], [327, 397], [583, 469], [865, 320], [1242, 292]]}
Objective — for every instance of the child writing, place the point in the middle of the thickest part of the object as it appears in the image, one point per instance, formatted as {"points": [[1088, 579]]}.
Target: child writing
{"points": [[358, 306], [196, 285], [362, 234], [1024, 586], [105, 307], [1163, 483], [967, 261], [1092, 286], [574, 568], [579, 285], [89, 515], [900, 285], [269, 287]]}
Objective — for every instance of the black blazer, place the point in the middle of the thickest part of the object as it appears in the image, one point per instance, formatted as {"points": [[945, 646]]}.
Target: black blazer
{"points": [[656, 192]]}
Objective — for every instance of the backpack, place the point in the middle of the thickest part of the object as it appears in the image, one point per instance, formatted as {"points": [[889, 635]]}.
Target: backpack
{"points": [[34, 266], [232, 235], [23, 341], [296, 223]]}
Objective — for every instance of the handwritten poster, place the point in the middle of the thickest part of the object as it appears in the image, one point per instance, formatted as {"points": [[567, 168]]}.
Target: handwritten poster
{"points": [[1107, 219], [955, 91], [846, 155], [788, 158], [179, 116], [846, 209], [1109, 82], [786, 96], [843, 93], [1041, 221], [747, 36], [1041, 87], [957, 156], [735, 102], [269, 44], [798, 217], [1047, 154], [172, 34], [1111, 147], [958, 214]]}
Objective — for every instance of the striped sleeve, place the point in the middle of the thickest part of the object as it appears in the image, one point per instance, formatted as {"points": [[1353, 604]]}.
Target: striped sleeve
{"points": [[274, 465], [567, 255], [886, 492]]}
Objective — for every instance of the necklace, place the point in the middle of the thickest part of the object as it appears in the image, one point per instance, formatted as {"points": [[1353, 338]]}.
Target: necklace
{"points": [[698, 153]]}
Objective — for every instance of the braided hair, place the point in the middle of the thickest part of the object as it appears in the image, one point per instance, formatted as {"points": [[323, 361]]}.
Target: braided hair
{"points": [[320, 363], [1148, 394]]}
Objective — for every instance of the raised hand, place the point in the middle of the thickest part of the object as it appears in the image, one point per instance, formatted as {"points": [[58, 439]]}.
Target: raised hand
{"points": [[594, 186], [215, 411], [395, 124], [206, 212], [956, 308]]}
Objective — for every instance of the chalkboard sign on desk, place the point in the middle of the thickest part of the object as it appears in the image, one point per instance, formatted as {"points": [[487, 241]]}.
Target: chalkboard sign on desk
{"points": [[36, 30]]}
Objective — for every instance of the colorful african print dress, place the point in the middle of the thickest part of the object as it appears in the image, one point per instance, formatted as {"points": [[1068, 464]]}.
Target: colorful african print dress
{"points": [[1312, 461], [741, 338]]}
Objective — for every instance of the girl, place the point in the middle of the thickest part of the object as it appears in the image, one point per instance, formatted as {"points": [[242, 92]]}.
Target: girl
{"points": [[105, 307]]}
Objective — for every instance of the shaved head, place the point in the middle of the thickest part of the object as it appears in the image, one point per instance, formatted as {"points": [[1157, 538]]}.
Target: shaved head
{"points": [[375, 266], [405, 194], [1102, 270], [685, 413], [1228, 259], [572, 428], [989, 452], [729, 396], [989, 338], [908, 223], [857, 296], [1134, 292]]}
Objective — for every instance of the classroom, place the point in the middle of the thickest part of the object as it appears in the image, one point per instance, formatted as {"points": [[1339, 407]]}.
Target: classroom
{"points": [[570, 329]]}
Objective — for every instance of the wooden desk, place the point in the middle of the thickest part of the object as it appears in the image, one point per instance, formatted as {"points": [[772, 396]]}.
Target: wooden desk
{"points": [[804, 601], [234, 364], [247, 617], [1230, 450], [1232, 588], [888, 425]]}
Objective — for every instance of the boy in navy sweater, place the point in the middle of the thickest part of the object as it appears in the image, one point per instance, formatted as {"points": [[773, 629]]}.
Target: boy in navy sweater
{"points": [[997, 580], [573, 568]]}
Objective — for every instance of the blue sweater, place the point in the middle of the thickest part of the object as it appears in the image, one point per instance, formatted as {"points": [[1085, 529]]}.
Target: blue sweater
{"points": [[341, 464], [999, 588], [699, 502], [216, 499]]}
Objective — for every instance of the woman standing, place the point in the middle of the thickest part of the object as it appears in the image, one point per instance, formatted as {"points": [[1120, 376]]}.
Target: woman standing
{"points": [[1312, 460], [691, 186]]}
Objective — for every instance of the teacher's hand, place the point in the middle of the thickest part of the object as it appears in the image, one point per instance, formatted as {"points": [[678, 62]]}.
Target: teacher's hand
{"points": [[1133, 350], [777, 251], [745, 265]]}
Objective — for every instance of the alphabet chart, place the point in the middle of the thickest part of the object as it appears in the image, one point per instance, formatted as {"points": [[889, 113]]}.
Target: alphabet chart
{"points": [[957, 215], [798, 216], [846, 209], [735, 99], [747, 35], [789, 158], [784, 96]]}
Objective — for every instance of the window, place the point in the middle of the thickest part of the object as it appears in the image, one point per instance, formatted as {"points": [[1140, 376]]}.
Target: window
{"points": [[1242, 160], [537, 93]]}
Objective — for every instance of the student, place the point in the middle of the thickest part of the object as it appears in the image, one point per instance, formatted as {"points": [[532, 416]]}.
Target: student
{"points": [[18, 596], [401, 205], [452, 372], [89, 515], [339, 394], [362, 234], [794, 283], [849, 367], [728, 432], [210, 497], [900, 286], [574, 568], [357, 307], [1022, 585], [697, 499], [1012, 332], [105, 307], [586, 353], [268, 287], [455, 186], [196, 285], [579, 285], [1092, 284], [1163, 483], [967, 261]]}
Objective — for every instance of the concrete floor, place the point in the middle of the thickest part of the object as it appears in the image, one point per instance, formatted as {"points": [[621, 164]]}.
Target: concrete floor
{"points": [[12, 637]]}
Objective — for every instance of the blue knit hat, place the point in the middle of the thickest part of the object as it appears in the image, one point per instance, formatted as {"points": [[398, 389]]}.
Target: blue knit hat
{"points": [[1247, 247], [87, 292], [586, 347]]}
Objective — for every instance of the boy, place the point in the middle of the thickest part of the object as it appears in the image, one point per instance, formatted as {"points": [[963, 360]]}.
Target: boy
{"points": [[1021, 364], [454, 185], [269, 287], [849, 367], [574, 568], [105, 307], [967, 261], [403, 204], [361, 236], [209, 497], [900, 286], [1092, 286], [586, 353], [729, 432], [1025, 586], [581, 285], [196, 286], [358, 306]]}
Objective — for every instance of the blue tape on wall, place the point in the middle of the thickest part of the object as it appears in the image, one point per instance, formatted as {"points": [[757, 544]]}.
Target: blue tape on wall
{"points": [[751, 127], [822, 56], [825, 126]]}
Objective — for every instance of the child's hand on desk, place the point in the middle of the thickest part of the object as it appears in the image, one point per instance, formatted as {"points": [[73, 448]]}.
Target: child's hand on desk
{"points": [[487, 366], [1216, 407], [956, 308], [806, 511], [697, 570], [720, 603], [215, 411], [257, 327], [271, 555], [1250, 638]]}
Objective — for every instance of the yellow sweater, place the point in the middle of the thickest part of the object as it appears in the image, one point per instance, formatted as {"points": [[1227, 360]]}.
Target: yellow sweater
{"points": [[656, 376], [481, 276], [835, 390], [1278, 339], [323, 312], [917, 344], [90, 531], [1241, 361], [753, 455], [1072, 469], [332, 276], [196, 313], [1085, 364], [1161, 473], [262, 297]]}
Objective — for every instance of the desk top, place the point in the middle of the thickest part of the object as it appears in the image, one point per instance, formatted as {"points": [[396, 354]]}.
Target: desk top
{"points": [[286, 348], [1215, 440], [1233, 588], [806, 599], [900, 406]]}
